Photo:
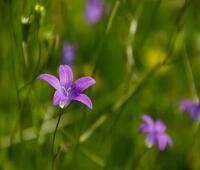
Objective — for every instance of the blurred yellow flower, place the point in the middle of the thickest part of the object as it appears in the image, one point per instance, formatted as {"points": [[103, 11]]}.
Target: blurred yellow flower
{"points": [[153, 57]]}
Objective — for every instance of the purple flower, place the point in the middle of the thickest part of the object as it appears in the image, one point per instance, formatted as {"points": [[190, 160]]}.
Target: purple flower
{"points": [[94, 11], [68, 53], [192, 107], [67, 89], [156, 134]]}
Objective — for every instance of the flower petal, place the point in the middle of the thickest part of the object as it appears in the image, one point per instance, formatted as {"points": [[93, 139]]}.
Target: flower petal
{"points": [[149, 122], [185, 105], [160, 126], [194, 111], [150, 140], [65, 75], [144, 128], [57, 98], [52, 80], [83, 83], [83, 99], [169, 140], [192, 107], [64, 102], [162, 140], [68, 53], [94, 11]]}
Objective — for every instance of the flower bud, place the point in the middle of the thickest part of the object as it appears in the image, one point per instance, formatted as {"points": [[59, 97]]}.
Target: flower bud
{"points": [[26, 23]]}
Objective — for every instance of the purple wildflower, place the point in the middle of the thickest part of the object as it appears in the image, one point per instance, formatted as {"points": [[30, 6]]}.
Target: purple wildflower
{"points": [[68, 53], [94, 11], [192, 107], [67, 89], [156, 134]]}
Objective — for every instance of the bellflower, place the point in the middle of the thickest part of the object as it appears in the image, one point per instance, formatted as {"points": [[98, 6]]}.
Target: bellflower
{"points": [[193, 108], [155, 131], [94, 11], [68, 90], [68, 53]]}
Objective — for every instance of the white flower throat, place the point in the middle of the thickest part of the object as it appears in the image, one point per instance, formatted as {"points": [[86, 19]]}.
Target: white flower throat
{"points": [[66, 91]]}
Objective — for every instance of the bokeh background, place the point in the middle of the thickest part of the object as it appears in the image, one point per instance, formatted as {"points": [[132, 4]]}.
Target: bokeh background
{"points": [[145, 57]]}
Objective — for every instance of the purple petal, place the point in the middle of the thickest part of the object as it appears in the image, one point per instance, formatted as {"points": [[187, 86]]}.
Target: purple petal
{"points": [[94, 11], [64, 102], [162, 141], [83, 83], [83, 99], [69, 53], [194, 111], [65, 74], [57, 98], [160, 126], [169, 140], [192, 107], [52, 80], [185, 105], [150, 140], [145, 128], [149, 122]]}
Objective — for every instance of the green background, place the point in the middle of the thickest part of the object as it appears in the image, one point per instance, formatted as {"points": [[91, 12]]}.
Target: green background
{"points": [[162, 70]]}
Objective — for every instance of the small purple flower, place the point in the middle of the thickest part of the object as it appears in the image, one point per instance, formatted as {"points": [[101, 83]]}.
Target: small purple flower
{"points": [[68, 53], [94, 11], [67, 89], [156, 134], [192, 107]]}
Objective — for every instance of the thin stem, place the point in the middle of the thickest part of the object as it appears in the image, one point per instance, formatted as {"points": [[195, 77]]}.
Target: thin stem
{"points": [[106, 32], [193, 89], [197, 128], [112, 15], [190, 76], [136, 162], [13, 68], [54, 136], [39, 53]]}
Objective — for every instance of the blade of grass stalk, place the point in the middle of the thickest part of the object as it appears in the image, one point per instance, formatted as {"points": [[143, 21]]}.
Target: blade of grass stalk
{"points": [[89, 132], [190, 75], [113, 13], [93, 157], [137, 161], [13, 68], [193, 90], [107, 30]]}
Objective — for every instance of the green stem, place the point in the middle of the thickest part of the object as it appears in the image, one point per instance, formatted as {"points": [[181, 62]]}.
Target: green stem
{"points": [[112, 15], [54, 136], [190, 76], [136, 162]]}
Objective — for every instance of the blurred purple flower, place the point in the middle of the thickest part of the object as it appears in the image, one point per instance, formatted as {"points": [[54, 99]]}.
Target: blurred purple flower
{"points": [[94, 11], [192, 107], [68, 53], [156, 134], [67, 89]]}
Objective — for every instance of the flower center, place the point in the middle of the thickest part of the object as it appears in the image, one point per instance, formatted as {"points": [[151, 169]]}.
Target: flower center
{"points": [[66, 91]]}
